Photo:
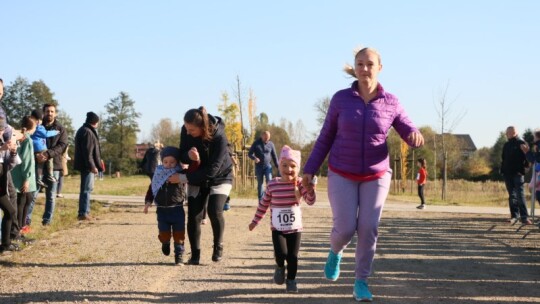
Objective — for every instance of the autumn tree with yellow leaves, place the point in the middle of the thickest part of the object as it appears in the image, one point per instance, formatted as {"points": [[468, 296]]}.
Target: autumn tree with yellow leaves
{"points": [[230, 113]]}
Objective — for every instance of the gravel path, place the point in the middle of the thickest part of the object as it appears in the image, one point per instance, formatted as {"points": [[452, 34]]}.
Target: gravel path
{"points": [[423, 257]]}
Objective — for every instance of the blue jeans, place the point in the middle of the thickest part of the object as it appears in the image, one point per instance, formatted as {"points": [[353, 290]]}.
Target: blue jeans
{"points": [[516, 196], [262, 172], [87, 185], [50, 194]]}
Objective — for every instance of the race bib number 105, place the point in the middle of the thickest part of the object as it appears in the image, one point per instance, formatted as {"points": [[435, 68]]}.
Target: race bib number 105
{"points": [[285, 219]]}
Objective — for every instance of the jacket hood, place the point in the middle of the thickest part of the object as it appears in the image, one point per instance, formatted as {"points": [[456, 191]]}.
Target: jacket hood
{"points": [[219, 125]]}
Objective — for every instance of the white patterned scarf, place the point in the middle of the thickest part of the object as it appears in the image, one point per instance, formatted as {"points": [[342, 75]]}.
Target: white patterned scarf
{"points": [[161, 175]]}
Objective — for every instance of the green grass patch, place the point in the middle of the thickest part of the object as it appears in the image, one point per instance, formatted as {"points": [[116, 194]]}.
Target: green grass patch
{"points": [[124, 186]]}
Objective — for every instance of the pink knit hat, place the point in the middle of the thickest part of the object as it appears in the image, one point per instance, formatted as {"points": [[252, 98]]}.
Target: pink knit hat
{"points": [[288, 153]]}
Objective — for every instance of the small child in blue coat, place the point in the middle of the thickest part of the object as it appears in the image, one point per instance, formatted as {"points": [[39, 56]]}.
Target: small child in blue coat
{"points": [[39, 139]]}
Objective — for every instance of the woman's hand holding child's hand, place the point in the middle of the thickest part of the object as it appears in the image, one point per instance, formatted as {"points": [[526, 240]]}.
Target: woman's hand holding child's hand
{"points": [[306, 182]]}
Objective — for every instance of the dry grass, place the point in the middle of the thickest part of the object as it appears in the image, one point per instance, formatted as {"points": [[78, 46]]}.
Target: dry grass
{"points": [[459, 192], [64, 217]]}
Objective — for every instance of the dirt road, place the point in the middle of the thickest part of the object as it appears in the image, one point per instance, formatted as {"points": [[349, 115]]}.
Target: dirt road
{"points": [[422, 257]]}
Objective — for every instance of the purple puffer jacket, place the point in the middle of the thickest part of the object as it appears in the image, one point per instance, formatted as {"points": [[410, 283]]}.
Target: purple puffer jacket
{"points": [[355, 133]]}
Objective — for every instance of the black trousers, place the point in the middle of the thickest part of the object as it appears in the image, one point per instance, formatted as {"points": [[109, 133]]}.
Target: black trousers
{"points": [[421, 194], [15, 228], [23, 201], [196, 209], [7, 221], [286, 247]]}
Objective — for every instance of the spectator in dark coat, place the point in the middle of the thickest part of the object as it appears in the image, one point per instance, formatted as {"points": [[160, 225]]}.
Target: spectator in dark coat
{"points": [[151, 159], [87, 161], [513, 166]]}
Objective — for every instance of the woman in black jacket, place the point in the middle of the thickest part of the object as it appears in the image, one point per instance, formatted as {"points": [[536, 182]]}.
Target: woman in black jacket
{"points": [[203, 139], [8, 160]]}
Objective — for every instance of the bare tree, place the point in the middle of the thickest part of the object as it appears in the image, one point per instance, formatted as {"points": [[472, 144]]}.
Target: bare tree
{"points": [[322, 109], [238, 94], [300, 133], [448, 121], [167, 132]]}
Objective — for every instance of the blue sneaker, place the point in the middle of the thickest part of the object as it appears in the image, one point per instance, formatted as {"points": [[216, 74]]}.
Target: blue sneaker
{"points": [[331, 269], [227, 206], [361, 291]]}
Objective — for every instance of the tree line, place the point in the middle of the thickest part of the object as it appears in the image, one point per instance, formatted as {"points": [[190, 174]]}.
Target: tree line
{"points": [[119, 127]]}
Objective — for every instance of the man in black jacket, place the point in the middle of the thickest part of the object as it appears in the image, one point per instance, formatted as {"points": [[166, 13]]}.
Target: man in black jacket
{"points": [[513, 169], [87, 161], [56, 146]]}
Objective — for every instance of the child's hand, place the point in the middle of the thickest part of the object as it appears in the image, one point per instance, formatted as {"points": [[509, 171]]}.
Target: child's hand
{"points": [[146, 206], [252, 226]]}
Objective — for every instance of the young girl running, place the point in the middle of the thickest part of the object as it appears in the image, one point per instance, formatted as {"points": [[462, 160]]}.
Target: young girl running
{"points": [[283, 196]]}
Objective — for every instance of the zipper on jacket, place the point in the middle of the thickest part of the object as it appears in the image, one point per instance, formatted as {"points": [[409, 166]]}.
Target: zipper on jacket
{"points": [[362, 157]]}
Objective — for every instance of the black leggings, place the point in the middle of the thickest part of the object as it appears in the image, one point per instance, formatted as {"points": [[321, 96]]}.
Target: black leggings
{"points": [[286, 247], [7, 221], [23, 201], [421, 194], [196, 207]]}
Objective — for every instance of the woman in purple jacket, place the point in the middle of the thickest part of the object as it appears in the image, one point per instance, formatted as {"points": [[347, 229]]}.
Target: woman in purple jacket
{"points": [[359, 175]]}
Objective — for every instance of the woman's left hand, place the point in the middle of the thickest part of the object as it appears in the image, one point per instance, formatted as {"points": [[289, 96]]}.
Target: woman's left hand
{"points": [[416, 139], [177, 178]]}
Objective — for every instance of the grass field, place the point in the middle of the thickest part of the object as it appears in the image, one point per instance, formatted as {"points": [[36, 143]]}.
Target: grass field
{"points": [[459, 192]]}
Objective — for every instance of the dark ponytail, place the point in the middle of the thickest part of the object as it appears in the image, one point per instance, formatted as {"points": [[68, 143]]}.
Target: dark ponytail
{"points": [[199, 118]]}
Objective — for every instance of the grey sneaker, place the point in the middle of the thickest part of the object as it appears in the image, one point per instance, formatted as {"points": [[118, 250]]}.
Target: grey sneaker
{"points": [[279, 275], [291, 286], [422, 206]]}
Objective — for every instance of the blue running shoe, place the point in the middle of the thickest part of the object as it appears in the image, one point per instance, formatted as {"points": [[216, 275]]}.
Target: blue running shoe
{"points": [[361, 291], [331, 269]]}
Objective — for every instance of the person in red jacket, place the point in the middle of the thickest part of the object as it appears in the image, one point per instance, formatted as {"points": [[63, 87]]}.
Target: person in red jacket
{"points": [[421, 179]]}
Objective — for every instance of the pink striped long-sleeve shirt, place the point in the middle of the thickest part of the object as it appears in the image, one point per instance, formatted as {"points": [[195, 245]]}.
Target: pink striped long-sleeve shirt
{"points": [[280, 194]]}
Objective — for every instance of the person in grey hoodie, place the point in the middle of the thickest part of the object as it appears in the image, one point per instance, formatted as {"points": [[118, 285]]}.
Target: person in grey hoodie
{"points": [[354, 134]]}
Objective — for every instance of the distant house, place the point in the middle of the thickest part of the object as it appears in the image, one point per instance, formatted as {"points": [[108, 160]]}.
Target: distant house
{"points": [[465, 143]]}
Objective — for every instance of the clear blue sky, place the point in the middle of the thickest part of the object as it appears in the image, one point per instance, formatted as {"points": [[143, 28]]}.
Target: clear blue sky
{"points": [[171, 56]]}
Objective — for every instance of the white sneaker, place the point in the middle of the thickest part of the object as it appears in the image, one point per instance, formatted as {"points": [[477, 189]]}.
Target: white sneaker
{"points": [[422, 206]]}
